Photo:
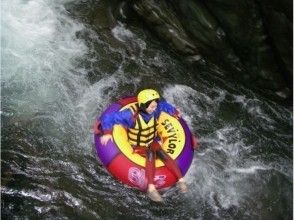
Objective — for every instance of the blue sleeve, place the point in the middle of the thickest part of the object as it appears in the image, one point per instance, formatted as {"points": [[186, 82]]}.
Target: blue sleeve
{"points": [[166, 107], [124, 118]]}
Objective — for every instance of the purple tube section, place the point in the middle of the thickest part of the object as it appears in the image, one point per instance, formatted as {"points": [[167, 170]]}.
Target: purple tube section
{"points": [[185, 158], [107, 153]]}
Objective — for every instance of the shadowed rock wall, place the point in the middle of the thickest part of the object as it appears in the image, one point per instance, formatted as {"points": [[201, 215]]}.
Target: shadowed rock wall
{"points": [[251, 38], [250, 41]]}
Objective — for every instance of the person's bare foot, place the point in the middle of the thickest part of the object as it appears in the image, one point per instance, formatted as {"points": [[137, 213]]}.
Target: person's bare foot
{"points": [[182, 186], [153, 194]]}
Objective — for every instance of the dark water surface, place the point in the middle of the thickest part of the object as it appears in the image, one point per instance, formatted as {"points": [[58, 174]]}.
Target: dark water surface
{"points": [[59, 73]]}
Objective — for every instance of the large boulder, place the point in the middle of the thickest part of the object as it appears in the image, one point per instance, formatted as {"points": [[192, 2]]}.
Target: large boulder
{"points": [[250, 40]]}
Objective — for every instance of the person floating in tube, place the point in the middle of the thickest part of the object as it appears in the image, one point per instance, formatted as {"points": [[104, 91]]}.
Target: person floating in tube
{"points": [[141, 128]]}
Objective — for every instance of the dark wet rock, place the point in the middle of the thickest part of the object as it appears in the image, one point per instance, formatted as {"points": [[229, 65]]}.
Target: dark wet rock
{"points": [[277, 19], [243, 22], [251, 38], [162, 19], [205, 31], [249, 41]]}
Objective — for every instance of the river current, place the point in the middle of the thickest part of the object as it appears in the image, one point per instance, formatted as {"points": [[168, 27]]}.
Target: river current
{"points": [[58, 73]]}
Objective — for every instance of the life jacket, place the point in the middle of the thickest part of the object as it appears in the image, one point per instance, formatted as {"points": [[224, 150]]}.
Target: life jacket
{"points": [[143, 133]]}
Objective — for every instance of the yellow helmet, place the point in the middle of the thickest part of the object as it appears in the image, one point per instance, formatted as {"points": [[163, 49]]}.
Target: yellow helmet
{"points": [[147, 95]]}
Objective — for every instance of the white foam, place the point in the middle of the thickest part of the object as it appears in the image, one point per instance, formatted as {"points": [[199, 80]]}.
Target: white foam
{"points": [[39, 51], [134, 44], [187, 99], [253, 107], [121, 33], [248, 170], [34, 194]]}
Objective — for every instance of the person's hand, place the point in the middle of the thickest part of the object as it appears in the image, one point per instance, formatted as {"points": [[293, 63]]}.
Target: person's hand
{"points": [[179, 113], [105, 138]]}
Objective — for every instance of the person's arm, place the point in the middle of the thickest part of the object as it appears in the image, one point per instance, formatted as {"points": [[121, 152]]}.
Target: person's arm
{"points": [[168, 108], [124, 118]]}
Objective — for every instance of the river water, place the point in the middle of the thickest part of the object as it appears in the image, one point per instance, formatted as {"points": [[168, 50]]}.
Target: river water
{"points": [[58, 73]]}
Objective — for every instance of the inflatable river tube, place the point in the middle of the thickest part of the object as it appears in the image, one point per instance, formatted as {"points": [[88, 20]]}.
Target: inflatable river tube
{"points": [[119, 158]]}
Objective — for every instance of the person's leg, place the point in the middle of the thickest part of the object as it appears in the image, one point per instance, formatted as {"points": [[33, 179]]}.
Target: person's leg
{"points": [[150, 171], [170, 163], [173, 167], [150, 166]]}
